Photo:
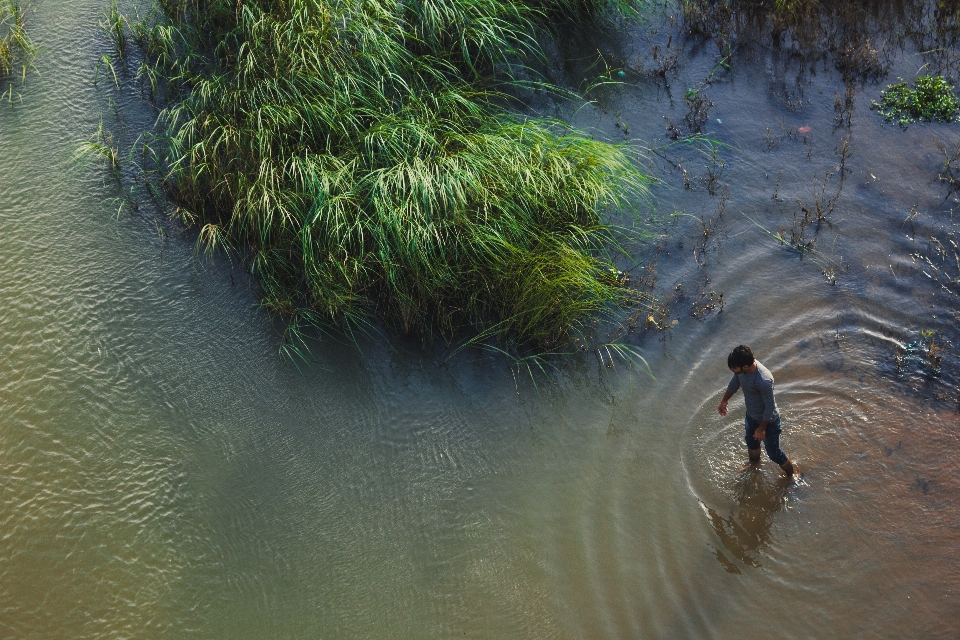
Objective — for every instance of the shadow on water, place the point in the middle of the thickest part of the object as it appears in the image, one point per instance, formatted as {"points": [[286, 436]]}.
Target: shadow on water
{"points": [[745, 532]]}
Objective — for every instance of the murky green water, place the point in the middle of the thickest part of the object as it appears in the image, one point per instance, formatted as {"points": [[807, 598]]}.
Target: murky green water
{"points": [[164, 474]]}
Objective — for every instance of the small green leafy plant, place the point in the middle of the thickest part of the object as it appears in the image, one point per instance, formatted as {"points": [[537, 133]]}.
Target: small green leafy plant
{"points": [[932, 100]]}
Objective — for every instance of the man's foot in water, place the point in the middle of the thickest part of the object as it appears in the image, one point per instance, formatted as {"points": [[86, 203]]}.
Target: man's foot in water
{"points": [[753, 463], [794, 477], [789, 468]]}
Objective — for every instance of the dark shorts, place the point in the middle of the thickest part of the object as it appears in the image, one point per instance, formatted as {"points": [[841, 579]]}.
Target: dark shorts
{"points": [[771, 442]]}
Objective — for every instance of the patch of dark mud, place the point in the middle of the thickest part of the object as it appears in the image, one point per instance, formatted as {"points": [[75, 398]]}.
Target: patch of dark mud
{"points": [[859, 38]]}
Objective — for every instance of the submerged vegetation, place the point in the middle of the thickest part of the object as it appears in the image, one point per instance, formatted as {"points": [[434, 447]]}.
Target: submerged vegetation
{"points": [[16, 47], [855, 36], [932, 100], [359, 155]]}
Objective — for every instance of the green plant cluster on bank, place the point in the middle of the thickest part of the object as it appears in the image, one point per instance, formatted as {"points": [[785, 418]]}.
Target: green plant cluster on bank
{"points": [[931, 100], [358, 154]]}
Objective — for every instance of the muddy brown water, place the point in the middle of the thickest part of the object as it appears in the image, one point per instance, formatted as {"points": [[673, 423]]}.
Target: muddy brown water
{"points": [[164, 474]]}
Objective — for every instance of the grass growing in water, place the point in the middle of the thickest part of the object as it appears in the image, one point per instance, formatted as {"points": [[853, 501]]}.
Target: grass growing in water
{"points": [[116, 27], [15, 45], [359, 153], [100, 146], [932, 100]]}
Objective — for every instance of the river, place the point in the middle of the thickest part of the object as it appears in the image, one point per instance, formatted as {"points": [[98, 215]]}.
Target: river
{"points": [[164, 473]]}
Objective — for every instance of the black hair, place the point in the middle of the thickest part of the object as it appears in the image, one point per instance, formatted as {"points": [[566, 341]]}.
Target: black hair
{"points": [[742, 356]]}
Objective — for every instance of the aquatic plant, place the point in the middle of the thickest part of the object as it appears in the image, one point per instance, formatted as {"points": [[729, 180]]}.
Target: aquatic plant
{"points": [[950, 174], [924, 355], [359, 154], [115, 26], [850, 33], [15, 45], [932, 100], [102, 147]]}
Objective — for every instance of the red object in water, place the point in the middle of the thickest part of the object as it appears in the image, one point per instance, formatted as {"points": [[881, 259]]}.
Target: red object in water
{"points": [[803, 130]]}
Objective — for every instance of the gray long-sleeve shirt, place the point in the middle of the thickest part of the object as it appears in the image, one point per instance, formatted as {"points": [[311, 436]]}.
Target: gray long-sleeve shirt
{"points": [[757, 392]]}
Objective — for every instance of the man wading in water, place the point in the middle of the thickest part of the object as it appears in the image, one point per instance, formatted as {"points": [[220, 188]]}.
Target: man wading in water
{"points": [[763, 419]]}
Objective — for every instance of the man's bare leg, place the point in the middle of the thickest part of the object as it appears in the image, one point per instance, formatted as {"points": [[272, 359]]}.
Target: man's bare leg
{"points": [[754, 462], [788, 468]]}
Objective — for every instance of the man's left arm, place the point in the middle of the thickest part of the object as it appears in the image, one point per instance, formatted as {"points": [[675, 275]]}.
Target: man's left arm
{"points": [[766, 393], [761, 431]]}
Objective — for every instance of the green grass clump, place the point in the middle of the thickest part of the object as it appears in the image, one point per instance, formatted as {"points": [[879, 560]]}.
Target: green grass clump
{"points": [[358, 153], [15, 45], [115, 25], [932, 100]]}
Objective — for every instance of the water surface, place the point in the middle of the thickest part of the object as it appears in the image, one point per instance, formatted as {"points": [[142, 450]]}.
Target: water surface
{"points": [[166, 474]]}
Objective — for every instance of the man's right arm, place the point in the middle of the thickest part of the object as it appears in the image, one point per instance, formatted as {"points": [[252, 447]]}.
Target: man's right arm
{"points": [[722, 407]]}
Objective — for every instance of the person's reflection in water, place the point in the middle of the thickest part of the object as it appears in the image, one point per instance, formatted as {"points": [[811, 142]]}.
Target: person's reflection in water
{"points": [[746, 531]]}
